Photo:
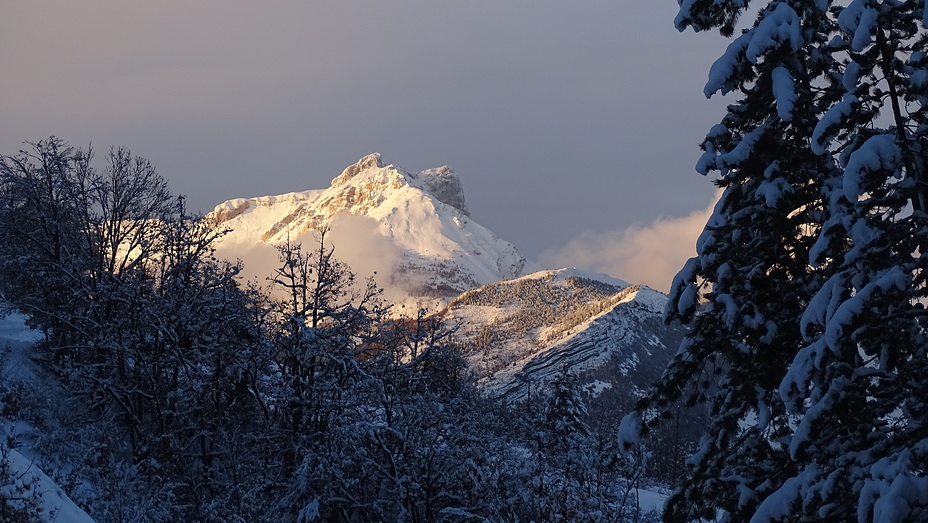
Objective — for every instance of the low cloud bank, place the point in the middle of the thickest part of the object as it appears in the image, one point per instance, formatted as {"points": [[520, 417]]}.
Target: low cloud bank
{"points": [[649, 254], [357, 242]]}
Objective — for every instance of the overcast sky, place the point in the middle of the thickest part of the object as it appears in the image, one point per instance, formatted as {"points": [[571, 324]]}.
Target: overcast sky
{"points": [[574, 125]]}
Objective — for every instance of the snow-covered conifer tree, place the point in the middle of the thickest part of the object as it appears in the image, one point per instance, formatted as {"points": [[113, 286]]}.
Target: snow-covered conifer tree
{"points": [[804, 302], [566, 411]]}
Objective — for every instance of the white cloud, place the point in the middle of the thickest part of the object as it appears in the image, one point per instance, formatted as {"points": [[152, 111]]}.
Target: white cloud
{"points": [[650, 254], [258, 261], [357, 242]]}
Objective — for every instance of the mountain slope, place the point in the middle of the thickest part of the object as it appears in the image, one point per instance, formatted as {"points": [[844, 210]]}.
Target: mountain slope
{"points": [[414, 227], [521, 332]]}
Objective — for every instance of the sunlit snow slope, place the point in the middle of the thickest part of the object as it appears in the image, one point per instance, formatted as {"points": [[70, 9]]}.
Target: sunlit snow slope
{"points": [[423, 236]]}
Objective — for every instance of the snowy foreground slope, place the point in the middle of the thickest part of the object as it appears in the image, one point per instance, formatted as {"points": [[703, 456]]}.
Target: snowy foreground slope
{"points": [[19, 466], [413, 229]]}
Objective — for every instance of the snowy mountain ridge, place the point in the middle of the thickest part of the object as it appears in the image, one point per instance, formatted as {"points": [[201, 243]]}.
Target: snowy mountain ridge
{"points": [[419, 222], [522, 331]]}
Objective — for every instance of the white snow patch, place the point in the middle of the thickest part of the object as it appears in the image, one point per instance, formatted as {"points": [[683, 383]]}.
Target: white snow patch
{"points": [[784, 90], [597, 387], [56, 505], [13, 327], [879, 154]]}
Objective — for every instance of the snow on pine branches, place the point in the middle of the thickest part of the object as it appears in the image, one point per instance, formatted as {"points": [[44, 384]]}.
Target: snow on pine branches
{"points": [[805, 302]]}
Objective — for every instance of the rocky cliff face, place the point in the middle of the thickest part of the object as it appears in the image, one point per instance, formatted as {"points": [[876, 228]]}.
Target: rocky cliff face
{"points": [[418, 223]]}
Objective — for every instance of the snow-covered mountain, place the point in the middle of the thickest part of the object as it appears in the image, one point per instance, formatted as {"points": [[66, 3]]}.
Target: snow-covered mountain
{"points": [[523, 331], [518, 330], [416, 229], [413, 229]]}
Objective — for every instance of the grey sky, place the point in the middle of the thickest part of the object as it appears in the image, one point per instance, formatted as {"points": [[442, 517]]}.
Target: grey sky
{"points": [[560, 117]]}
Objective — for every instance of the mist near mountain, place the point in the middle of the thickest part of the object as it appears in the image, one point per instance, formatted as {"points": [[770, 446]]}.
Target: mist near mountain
{"points": [[650, 253]]}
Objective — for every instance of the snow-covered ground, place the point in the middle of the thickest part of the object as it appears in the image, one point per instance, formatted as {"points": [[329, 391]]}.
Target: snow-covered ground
{"points": [[651, 501], [12, 329], [20, 463]]}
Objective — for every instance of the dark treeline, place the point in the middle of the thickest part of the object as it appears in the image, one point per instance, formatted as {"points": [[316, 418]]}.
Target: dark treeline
{"points": [[182, 394]]}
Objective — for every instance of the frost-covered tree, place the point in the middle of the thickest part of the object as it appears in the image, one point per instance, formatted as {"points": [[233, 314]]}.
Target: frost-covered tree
{"points": [[325, 321], [805, 300], [39, 226], [566, 411], [143, 324]]}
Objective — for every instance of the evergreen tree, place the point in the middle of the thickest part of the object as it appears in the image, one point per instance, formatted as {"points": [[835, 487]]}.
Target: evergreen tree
{"points": [[804, 301], [857, 385], [566, 411]]}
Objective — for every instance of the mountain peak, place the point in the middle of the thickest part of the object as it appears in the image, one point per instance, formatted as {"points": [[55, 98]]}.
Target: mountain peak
{"points": [[440, 183], [445, 186], [371, 161], [415, 224]]}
